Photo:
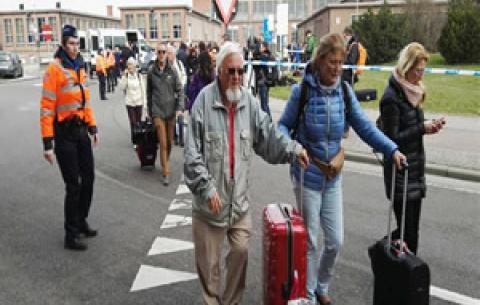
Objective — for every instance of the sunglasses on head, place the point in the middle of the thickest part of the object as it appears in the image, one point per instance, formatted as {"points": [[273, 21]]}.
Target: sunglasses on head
{"points": [[161, 51], [232, 71]]}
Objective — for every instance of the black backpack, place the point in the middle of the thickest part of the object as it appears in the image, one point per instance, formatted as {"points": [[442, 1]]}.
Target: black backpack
{"points": [[304, 99]]}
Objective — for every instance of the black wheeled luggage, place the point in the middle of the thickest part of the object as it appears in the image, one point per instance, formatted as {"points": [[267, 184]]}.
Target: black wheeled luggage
{"points": [[400, 277], [146, 141]]}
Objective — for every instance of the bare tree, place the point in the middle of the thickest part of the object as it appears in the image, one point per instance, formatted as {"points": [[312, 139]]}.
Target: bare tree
{"points": [[425, 21]]}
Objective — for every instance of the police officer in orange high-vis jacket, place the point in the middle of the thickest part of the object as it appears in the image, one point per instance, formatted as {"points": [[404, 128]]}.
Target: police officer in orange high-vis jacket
{"points": [[67, 125], [110, 71], [101, 70]]}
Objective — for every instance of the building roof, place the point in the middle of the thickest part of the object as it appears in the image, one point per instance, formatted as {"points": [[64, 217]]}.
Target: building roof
{"points": [[352, 4], [167, 6], [55, 11]]}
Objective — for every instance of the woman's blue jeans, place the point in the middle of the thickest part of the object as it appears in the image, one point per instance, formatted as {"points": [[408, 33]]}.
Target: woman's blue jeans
{"points": [[322, 209]]}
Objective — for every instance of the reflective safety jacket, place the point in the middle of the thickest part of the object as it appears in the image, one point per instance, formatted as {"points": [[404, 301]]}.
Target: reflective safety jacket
{"points": [[65, 95], [111, 60], [101, 65]]}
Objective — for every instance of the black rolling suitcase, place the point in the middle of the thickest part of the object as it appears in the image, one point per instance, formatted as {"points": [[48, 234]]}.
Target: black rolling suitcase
{"points": [[146, 140], [366, 95], [400, 277]]}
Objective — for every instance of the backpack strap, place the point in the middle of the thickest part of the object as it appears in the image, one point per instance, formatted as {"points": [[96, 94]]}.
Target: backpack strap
{"points": [[347, 99], [302, 103]]}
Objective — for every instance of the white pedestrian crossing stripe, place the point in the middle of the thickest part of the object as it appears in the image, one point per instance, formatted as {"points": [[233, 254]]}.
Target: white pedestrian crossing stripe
{"points": [[182, 189], [180, 204], [150, 276], [172, 221], [162, 245]]}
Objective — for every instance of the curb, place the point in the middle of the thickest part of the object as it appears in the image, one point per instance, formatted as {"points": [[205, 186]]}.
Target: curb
{"points": [[430, 168], [19, 80]]}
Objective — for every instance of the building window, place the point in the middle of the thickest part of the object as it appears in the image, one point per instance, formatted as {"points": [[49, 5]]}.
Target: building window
{"points": [[53, 22], [258, 9], [19, 29], [233, 33], [297, 8], [40, 22], [129, 21], [164, 26], [263, 8], [242, 10], [318, 4], [8, 30], [31, 30], [153, 25], [177, 27], [355, 18], [141, 23], [64, 21]]}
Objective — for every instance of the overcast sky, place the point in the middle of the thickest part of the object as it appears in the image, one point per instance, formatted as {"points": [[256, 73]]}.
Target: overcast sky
{"points": [[89, 6]]}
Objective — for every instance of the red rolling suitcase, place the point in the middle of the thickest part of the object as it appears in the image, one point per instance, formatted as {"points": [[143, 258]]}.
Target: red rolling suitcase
{"points": [[400, 277], [284, 253]]}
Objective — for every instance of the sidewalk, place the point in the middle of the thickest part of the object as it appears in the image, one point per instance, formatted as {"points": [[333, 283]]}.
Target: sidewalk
{"points": [[454, 152]]}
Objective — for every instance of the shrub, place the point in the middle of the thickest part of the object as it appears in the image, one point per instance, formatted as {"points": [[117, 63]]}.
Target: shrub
{"points": [[460, 40]]}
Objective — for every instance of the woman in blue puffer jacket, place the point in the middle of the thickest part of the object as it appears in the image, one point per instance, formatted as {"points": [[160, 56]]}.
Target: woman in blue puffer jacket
{"points": [[320, 127]]}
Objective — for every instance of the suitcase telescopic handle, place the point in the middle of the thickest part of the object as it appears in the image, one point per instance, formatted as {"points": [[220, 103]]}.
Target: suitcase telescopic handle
{"points": [[301, 195], [404, 201]]}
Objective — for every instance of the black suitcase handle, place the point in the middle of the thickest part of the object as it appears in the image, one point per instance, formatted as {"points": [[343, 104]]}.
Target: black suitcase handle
{"points": [[404, 201]]}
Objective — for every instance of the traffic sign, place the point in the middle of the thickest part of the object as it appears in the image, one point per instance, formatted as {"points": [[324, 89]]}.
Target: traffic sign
{"points": [[47, 32], [226, 8]]}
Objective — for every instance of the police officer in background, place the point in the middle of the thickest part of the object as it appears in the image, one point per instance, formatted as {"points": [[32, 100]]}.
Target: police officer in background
{"points": [[67, 124]]}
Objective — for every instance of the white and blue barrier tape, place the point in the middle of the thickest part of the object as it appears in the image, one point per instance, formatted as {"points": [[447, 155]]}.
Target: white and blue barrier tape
{"points": [[366, 68]]}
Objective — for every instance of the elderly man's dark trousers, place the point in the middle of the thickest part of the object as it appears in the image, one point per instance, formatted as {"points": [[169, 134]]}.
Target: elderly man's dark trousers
{"points": [[75, 159]]}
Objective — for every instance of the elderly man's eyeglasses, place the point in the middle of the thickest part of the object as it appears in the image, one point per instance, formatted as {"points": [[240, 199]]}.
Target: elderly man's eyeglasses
{"points": [[161, 51], [232, 71]]}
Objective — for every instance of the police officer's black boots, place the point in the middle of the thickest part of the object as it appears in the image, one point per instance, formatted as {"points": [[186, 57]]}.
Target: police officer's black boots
{"points": [[74, 243], [87, 231]]}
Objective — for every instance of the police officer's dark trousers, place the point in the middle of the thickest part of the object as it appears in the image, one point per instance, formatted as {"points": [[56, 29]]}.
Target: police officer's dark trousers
{"points": [[102, 84], [75, 158]]}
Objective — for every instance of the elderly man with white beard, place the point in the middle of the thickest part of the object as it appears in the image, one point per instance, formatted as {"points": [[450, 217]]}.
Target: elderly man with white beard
{"points": [[226, 126]]}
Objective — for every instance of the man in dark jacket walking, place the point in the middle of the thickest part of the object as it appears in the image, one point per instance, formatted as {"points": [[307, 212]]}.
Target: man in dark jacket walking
{"points": [[352, 56], [165, 100]]}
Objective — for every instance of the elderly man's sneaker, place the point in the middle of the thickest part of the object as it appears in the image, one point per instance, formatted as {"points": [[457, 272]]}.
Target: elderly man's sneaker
{"points": [[165, 180]]}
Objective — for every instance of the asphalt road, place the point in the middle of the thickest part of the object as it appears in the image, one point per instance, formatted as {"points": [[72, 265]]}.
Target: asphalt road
{"points": [[133, 211]]}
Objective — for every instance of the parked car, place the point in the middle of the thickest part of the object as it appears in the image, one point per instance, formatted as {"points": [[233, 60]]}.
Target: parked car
{"points": [[10, 65]]}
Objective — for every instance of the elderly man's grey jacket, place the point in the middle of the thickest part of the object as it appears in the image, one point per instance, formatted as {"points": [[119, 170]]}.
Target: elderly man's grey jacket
{"points": [[206, 153]]}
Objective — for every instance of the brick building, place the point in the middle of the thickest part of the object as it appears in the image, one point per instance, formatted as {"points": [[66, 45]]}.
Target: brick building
{"points": [[173, 22], [21, 31]]}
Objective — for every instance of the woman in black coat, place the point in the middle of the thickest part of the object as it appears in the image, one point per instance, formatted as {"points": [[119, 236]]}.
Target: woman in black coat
{"points": [[403, 121]]}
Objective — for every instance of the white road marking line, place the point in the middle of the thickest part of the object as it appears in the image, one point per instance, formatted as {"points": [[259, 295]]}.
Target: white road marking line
{"points": [[172, 221], [162, 245], [432, 180], [453, 297], [149, 277], [437, 292], [129, 187], [180, 204], [182, 189]]}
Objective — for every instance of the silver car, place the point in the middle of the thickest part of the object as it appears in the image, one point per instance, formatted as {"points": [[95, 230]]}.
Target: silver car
{"points": [[10, 65]]}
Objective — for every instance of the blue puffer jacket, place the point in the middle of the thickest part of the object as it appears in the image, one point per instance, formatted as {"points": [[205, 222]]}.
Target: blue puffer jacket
{"points": [[321, 130]]}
